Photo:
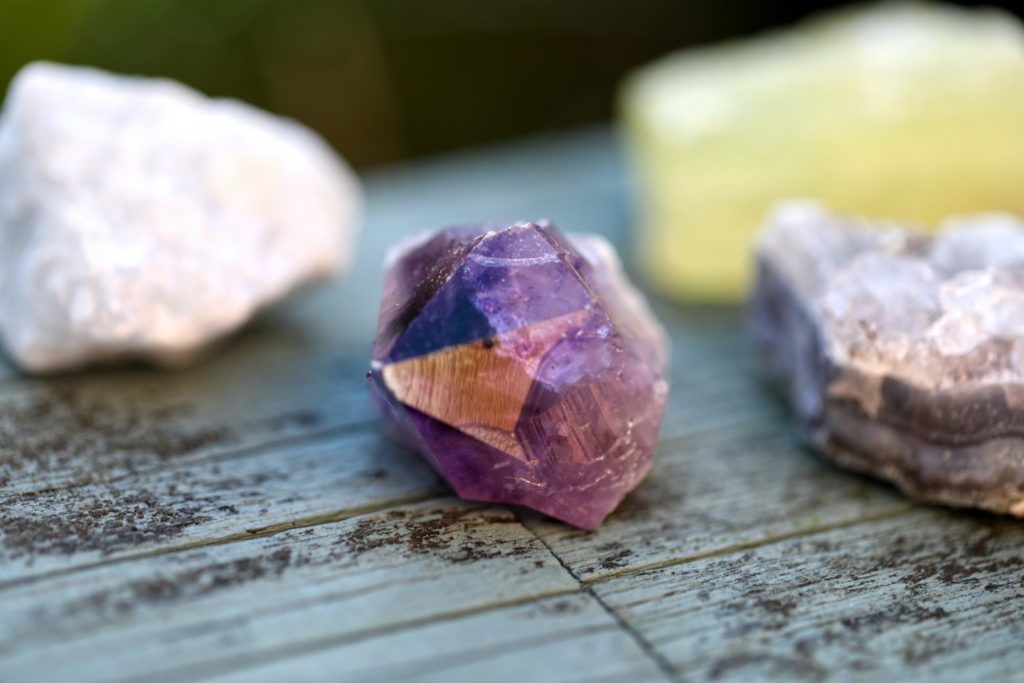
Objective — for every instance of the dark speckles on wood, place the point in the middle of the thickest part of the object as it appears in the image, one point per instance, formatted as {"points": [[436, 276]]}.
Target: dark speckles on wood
{"points": [[105, 518], [390, 567], [50, 429], [617, 556], [872, 598], [442, 533], [180, 505], [102, 426], [123, 519], [892, 615], [780, 606], [185, 585]]}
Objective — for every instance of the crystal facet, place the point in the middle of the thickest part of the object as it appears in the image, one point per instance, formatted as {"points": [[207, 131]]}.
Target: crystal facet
{"points": [[903, 356], [523, 365]]}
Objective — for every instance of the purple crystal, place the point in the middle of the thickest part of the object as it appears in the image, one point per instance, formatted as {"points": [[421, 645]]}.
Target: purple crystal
{"points": [[523, 365]]}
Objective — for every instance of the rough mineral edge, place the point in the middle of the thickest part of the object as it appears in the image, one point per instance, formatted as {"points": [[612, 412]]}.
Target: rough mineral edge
{"points": [[538, 376], [883, 365], [141, 219]]}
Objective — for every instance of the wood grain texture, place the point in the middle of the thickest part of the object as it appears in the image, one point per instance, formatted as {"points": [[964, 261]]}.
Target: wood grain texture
{"points": [[203, 502], [194, 613], [930, 595], [99, 427], [245, 520], [565, 638]]}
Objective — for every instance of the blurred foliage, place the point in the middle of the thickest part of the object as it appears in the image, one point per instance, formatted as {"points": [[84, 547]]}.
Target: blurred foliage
{"points": [[385, 79]]}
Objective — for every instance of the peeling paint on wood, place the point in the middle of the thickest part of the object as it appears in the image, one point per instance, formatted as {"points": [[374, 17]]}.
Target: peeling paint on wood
{"points": [[201, 502], [930, 595], [199, 611], [100, 427]]}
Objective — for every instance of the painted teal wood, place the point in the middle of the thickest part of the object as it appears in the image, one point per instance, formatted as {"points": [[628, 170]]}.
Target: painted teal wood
{"points": [[244, 520]]}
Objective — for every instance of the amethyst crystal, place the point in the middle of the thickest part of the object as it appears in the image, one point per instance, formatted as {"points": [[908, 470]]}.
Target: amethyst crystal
{"points": [[903, 356], [523, 366]]}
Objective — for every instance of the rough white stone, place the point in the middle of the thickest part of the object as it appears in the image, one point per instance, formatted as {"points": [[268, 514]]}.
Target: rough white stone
{"points": [[934, 312], [140, 219]]}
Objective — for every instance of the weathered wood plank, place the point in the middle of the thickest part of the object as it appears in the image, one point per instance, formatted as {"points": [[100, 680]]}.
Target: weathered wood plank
{"points": [[930, 595], [99, 427], [714, 382], [200, 612], [565, 639], [204, 502]]}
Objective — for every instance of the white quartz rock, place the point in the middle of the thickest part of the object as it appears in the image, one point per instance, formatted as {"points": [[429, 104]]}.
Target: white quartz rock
{"points": [[139, 218]]}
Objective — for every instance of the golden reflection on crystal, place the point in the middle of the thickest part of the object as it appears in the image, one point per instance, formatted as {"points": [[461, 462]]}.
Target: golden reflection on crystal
{"points": [[480, 387]]}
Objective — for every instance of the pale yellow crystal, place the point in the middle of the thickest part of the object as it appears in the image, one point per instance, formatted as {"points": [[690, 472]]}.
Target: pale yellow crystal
{"points": [[910, 112]]}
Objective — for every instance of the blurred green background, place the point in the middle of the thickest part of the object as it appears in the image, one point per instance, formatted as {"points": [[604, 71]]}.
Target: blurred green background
{"points": [[385, 80]]}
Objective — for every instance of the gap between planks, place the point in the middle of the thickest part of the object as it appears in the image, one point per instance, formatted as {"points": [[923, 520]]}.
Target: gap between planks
{"points": [[349, 513], [890, 513], [583, 586], [354, 431], [213, 457], [271, 655], [645, 645], [248, 534], [670, 670]]}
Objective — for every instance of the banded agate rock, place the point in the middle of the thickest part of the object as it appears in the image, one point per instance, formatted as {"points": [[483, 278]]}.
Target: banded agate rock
{"points": [[903, 356], [140, 219], [523, 365], [843, 108]]}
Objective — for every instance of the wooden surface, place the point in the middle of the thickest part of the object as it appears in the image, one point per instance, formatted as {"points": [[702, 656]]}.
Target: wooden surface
{"points": [[245, 521]]}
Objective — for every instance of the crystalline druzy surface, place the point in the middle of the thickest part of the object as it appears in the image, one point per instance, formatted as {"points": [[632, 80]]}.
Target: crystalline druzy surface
{"points": [[902, 355], [523, 366], [904, 111]]}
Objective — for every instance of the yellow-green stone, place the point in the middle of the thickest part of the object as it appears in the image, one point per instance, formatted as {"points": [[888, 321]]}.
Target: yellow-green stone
{"points": [[911, 112]]}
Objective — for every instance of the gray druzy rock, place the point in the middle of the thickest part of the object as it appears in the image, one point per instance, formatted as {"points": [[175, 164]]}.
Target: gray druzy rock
{"points": [[903, 356], [139, 218]]}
